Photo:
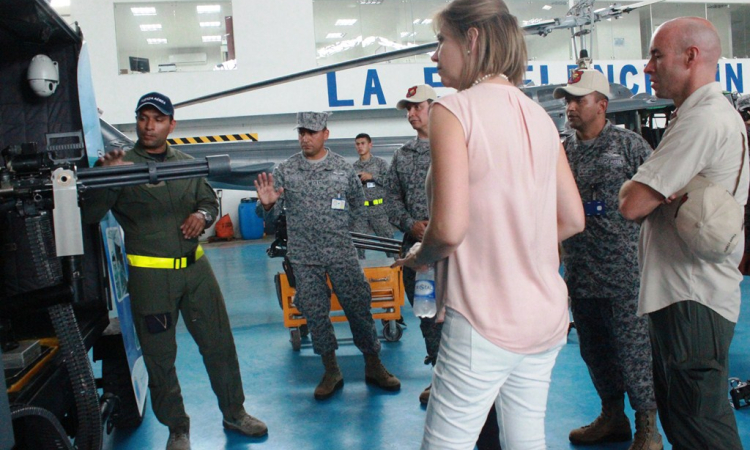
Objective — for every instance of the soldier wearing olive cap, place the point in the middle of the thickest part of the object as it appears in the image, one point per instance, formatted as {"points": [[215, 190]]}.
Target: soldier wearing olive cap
{"points": [[321, 195]]}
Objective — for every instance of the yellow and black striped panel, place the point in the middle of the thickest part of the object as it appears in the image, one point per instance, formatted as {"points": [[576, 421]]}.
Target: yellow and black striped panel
{"points": [[211, 139]]}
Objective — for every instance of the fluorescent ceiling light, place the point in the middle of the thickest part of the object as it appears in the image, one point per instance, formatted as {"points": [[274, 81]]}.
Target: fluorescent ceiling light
{"points": [[216, 38], [144, 11], [370, 2], [348, 44], [546, 7], [210, 24], [335, 35], [417, 21], [426, 21], [150, 27], [345, 22], [408, 34], [207, 9], [156, 41]]}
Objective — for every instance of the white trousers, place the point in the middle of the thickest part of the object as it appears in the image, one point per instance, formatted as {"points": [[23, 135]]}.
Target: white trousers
{"points": [[471, 373]]}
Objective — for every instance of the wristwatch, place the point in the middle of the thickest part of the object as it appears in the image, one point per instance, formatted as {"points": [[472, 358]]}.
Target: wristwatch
{"points": [[207, 216]]}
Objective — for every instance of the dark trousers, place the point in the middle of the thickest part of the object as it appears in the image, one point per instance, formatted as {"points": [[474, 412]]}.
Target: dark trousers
{"points": [[690, 346]]}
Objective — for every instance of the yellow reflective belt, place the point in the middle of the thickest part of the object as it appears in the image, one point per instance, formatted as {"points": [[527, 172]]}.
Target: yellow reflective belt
{"points": [[377, 201], [155, 262]]}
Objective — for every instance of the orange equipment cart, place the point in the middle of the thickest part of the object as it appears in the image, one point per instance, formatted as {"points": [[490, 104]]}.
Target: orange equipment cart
{"points": [[387, 299]]}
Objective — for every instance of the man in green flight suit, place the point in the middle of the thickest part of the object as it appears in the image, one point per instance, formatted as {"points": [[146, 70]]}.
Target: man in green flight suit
{"points": [[169, 275]]}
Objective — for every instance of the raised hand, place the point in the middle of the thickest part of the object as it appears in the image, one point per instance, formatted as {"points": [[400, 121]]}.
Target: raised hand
{"points": [[267, 194], [112, 158]]}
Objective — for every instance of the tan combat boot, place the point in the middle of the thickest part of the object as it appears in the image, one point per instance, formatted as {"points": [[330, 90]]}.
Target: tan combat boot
{"points": [[647, 436], [376, 373], [332, 379], [612, 425]]}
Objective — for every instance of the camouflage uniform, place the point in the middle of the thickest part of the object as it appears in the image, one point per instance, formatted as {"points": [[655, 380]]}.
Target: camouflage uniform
{"points": [[406, 202], [601, 270], [319, 243], [374, 218], [150, 216]]}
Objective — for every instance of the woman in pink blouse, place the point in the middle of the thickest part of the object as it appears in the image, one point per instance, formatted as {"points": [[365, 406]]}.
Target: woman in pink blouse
{"points": [[502, 198]]}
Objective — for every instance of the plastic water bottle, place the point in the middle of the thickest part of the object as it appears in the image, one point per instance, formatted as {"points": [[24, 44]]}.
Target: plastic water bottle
{"points": [[424, 294]]}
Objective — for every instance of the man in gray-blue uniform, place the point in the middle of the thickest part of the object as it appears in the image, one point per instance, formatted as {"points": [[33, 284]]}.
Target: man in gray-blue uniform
{"points": [[320, 195], [406, 200], [601, 268], [372, 172]]}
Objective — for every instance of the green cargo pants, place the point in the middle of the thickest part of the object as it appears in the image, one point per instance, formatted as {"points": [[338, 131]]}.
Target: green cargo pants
{"points": [[157, 297], [690, 346]]}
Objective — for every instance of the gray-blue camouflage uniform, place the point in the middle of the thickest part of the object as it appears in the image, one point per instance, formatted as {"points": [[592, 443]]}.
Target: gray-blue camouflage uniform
{"points": [[406, 201], [321, 199], [601, 270], [374, 217]]}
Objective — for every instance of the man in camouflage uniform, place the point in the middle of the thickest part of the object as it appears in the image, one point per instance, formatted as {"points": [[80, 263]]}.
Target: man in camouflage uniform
{"points": [[320, 195], [601, 268], [169, 275], [406, 200], [372, 172]]}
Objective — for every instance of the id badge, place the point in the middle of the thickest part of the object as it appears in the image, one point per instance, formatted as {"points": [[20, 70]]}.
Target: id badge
{"points": [[338, 203], [594, 208], [370, 184]]}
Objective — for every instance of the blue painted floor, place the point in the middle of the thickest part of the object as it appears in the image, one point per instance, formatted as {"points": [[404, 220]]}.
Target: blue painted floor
{"points": [[279, 382]]}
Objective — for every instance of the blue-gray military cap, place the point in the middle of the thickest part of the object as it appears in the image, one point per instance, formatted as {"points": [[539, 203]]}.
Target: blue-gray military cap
{"points": [[314, 121]]}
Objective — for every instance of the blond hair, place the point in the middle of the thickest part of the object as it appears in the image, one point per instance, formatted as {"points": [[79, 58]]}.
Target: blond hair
{"points": [[500, 49]]}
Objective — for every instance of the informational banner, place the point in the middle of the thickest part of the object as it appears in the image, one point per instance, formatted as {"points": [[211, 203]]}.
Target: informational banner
{"points": [[118, 283], [111, 234]]}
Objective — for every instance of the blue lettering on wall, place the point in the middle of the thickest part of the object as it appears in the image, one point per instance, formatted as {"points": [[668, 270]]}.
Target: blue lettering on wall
{"points": [[372, 87], [610, 73], [717, 72], [648, 83], [734, 78], [544, 72], [333, 98], [628, 69], [429, 77], [528, 82]]}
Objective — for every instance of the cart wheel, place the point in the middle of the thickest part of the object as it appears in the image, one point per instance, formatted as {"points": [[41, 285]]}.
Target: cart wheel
{"points": [[295, 339], [392, 331], [303, 330]]}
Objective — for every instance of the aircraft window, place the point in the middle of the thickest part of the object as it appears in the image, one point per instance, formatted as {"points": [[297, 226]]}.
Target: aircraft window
{"points": [[186, 36]]}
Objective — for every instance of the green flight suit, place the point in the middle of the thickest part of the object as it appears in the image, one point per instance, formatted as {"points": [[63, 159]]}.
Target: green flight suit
{"points": [[151, 215]]}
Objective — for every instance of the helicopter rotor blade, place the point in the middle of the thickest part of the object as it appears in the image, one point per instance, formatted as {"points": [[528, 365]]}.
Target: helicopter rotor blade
{"points": [[372, 59]]}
